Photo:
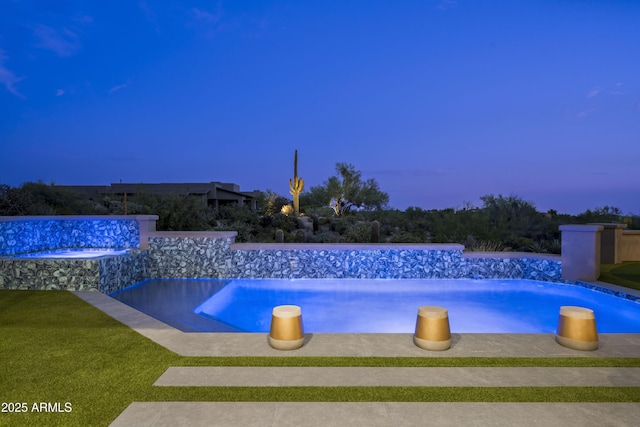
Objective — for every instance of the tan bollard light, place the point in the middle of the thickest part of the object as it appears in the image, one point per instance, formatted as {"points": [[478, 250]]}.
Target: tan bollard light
{"points": [[577, 328], [432, 328], [286, 328]]}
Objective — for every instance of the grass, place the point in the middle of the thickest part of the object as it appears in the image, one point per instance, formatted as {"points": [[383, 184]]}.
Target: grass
{"points": [[57, 348], [626, 274]]}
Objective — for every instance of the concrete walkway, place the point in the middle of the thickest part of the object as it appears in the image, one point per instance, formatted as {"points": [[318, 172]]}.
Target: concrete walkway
{"points": [[355, 414], [373, 414], [218, 376]]}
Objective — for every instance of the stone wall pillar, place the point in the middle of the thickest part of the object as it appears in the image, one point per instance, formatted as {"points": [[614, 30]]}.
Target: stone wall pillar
{"points": [[611, 243], [147, 226], [630, 245], [581, 251]]}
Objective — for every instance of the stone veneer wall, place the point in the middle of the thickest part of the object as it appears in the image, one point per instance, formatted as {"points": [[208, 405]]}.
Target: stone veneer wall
{"points": [[214, 255], [118, 272], [190, 254], [34, 234], [349, 262], [49, 274], [19, 235], [105, 274], [511, 265]]}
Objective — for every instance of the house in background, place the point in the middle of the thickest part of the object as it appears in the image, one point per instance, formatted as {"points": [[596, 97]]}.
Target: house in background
{"points": [[213, 194]]}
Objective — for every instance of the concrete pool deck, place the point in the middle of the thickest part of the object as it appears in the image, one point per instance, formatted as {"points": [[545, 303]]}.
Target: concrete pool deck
{"points": [[377, 345], [354, 345]]}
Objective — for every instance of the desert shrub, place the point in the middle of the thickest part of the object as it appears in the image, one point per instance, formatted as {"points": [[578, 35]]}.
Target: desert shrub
{"points": [[486, 246], [521, 244], [538, 247], [358, 233], [283, 222], [272, 203], [242, 220], [325, 236], [405, 237], [553, 246], [339, 225]]}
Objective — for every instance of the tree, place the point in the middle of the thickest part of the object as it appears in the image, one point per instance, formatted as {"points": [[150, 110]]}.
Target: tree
{"points": [[15, 201], [38, 198], [605, 214], [346, 190], [513, 221]]}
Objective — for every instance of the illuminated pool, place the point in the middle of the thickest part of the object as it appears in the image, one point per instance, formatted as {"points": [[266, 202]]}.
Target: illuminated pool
{"points": [[375, 306], [74, 253]]}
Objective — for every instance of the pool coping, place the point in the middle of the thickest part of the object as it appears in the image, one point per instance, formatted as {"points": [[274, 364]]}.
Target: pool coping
{"points": [[358, 345]]}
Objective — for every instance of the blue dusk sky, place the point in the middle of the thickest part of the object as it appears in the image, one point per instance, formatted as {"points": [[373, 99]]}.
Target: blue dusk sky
{"points": [[440, 101]]}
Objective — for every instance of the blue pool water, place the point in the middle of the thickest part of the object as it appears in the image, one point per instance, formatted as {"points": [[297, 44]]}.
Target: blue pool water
{"points": [[370, 306]]}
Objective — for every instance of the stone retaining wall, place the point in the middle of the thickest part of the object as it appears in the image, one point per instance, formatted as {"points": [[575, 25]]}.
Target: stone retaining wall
{"points": [[511, 265], [106, 274], [49, 274], [118, 272], [214, 255]]}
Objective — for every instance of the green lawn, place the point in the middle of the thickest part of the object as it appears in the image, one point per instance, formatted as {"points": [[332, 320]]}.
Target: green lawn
{"points": [[626, 274], [54, 347]]}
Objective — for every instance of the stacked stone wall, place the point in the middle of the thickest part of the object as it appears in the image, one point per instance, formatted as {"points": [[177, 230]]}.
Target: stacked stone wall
{"points": [[215, 255], [190, 257], [210, 257], [49, 274], [105, 274], [43, 234], [118, 272]]}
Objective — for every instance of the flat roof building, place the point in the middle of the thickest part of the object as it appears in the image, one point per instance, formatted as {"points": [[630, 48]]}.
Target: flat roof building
{"points": [[214, 194]]}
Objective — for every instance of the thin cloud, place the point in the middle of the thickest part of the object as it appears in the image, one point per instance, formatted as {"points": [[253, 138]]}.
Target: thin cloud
{"points": [[8, 78], [585, 113], [447, 4], [581, 114], [593, 92], [410, 172], [117, 88], [204, 16], [150, 15], [60, 92], [83, 19], [64, 43], [148, 12], [204, 22]]}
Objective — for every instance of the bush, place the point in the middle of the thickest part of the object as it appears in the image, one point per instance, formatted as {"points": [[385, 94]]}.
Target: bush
{"points": [[406, 237], [358, 233]]}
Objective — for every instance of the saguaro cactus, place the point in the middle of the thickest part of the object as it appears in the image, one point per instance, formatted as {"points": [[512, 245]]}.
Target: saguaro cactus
{"points": [[296, 185]]}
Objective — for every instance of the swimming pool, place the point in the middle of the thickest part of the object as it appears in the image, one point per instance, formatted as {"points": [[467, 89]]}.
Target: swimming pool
{"points": [[72, 253], [376, 305]]}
